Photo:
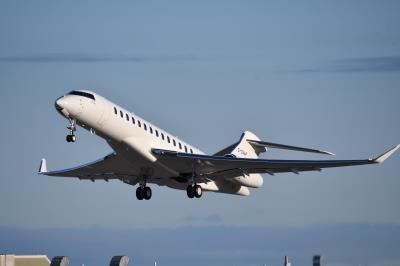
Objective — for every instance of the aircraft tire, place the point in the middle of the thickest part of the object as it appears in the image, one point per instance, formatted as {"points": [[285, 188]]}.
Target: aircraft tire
{"points": [[71, 138], [198, 192], [139, 193], [190, 191], [147, 193]]}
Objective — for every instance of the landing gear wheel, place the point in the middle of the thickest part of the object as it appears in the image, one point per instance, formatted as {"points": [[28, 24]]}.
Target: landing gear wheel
{"points": [[143, 193], [198, 192], [146, 192], [71, 138], [139, 193], [190, 191]]}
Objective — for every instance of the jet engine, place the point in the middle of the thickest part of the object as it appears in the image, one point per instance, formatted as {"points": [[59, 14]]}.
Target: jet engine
{"points": [[249, 180]]}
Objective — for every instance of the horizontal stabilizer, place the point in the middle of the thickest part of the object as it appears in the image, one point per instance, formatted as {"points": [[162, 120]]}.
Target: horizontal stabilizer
{"points": [[285, 147], [387, 154]]}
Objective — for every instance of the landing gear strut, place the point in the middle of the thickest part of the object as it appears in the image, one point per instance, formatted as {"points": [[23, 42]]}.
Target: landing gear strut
{"points": [[72, 128], [194, 191], [143, 192]]}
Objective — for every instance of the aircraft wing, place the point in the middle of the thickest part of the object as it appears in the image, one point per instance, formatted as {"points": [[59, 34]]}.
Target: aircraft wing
{"points": [[111, 166], [205, 165]]}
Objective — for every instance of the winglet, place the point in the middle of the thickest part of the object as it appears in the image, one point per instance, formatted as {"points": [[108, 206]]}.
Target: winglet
{"points": [[43, 166], [386, 155]]}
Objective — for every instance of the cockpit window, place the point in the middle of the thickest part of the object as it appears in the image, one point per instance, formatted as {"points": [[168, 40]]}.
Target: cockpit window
{"points": [[83, 94]]}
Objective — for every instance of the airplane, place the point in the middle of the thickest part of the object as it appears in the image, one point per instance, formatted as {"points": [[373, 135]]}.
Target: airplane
{"points": [[145, 154]]}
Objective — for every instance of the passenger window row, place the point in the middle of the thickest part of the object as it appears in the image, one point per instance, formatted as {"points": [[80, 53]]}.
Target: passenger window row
{"points": [[150, 129]]}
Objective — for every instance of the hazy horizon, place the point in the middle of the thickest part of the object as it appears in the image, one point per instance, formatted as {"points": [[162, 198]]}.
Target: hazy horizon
{"points": [[340, 244]]}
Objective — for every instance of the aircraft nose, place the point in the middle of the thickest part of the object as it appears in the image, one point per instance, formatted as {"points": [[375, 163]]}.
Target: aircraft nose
{"points": [[61, 103]]}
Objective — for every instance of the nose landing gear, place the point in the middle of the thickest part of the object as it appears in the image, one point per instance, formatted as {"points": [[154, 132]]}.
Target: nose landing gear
{"points": [[72, 128], [71, 138]]}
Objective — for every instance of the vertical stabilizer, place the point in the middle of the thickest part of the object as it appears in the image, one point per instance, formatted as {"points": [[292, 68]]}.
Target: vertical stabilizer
{"points": [[244, 149]]}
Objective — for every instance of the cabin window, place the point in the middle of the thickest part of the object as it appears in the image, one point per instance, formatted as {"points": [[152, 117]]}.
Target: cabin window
{"points": [[174, 142], [145, 126], [138, 122], [127, 117], [122, 114], [151, 130], [180, 146], [162, 136], [133, 120], [191, 151], [156, 132], [169, 141], [185, 149], [115, 110]]}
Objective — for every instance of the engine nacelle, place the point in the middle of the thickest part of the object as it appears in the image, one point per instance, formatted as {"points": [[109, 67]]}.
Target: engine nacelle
{"points": [[250, 180]]}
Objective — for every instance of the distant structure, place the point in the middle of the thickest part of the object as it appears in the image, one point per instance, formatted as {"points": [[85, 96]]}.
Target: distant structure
{"points": [[43, 260], [60, 261], [317, 260], [24, 260], [287, 263], [119, 261]]}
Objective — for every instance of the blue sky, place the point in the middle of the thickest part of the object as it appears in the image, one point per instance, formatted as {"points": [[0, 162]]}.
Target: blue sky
{"points": [[315, 74]]}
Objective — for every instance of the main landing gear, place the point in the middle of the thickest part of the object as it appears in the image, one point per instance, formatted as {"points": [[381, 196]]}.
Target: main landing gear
{"points": [[72, 128], [194, 191], [143, 192]]}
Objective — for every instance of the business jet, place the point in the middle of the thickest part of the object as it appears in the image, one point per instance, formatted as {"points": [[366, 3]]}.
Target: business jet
{"points": [[145, 154]]}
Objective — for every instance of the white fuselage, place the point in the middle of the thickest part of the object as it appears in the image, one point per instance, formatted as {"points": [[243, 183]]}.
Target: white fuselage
{"points": [[133, 137]]}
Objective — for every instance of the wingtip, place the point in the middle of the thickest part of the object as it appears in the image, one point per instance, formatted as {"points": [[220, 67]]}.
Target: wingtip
{"points": [[383, 157], [328, 153], [43, 166]]}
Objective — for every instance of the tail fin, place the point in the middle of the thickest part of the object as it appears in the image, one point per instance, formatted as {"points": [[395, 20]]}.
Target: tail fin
{"points": [[244, 149]]}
